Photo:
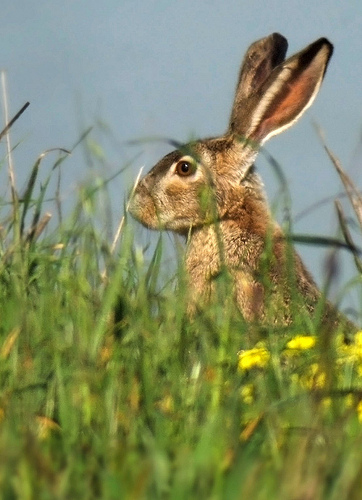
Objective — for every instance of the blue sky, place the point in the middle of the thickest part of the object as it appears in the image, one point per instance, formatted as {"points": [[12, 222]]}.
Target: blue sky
{"points": [[169, 68]]}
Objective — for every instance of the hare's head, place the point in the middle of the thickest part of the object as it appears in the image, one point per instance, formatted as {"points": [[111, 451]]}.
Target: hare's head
{"points": [[209, 180]]}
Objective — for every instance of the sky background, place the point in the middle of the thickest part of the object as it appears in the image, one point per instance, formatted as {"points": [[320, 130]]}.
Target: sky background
{"points": [[148, 68]]}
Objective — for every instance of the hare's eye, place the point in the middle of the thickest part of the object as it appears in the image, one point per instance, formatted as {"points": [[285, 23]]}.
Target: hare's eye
{"points": [[185, 168]]}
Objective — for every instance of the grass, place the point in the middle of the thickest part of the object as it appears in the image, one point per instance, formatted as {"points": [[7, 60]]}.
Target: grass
{"points": [[109, 391]]}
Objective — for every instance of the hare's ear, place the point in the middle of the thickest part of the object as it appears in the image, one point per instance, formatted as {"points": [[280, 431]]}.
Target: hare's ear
{"points": [[259, 61], [287, 93]]}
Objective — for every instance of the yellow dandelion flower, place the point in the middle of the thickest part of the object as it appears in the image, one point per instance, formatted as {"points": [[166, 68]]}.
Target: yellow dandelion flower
{"points": [[258, 357], [349, 400], [313, 378], [302, 342], [326, 403], [358, 348], [347, 354], [359, 412], [247, 394], [358, 338], [352, 353]]}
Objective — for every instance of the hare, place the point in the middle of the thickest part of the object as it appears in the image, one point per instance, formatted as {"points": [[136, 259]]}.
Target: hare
{"points": [[209, 190]]}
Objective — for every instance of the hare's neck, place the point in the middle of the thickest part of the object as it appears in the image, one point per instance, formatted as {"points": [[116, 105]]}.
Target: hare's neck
{"points": [[237, 238], [227, 243]]}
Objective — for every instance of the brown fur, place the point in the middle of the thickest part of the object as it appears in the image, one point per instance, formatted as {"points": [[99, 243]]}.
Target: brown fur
{"points": [[221, 208]]}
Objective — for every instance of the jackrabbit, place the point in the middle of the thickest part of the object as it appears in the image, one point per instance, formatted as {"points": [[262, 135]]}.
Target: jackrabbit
{"points": [[209, 190]]}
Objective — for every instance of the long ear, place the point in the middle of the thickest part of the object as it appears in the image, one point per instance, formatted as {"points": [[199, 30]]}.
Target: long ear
{"points": [[259, 61], [287, 93]]}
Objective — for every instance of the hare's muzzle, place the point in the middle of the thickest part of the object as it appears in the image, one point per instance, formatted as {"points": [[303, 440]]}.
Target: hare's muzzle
{"points": [[133, 200], [142, 206]]}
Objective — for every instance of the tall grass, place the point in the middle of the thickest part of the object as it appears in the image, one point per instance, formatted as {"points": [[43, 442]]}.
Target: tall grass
{"points": [[109, 391]]}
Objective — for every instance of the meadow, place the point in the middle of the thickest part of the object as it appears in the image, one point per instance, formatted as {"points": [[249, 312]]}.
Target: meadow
{"points": [[109, 391]]}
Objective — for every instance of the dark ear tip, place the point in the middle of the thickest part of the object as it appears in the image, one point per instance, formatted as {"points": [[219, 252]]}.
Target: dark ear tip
{"points": [[327, 43], [321, 44], [280, 46], [279, 39]]}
